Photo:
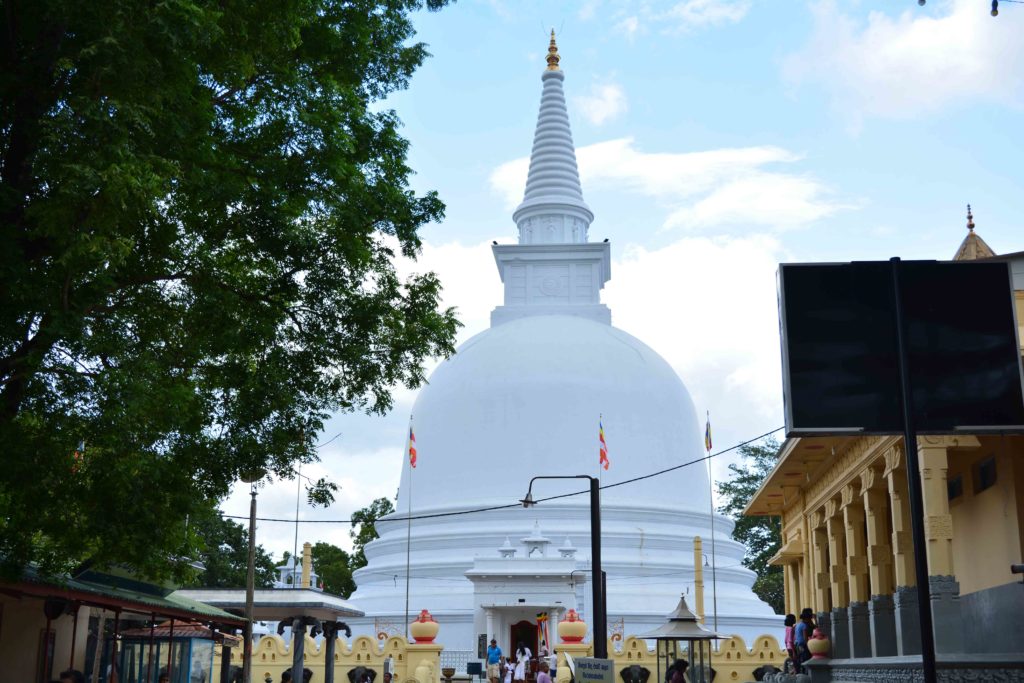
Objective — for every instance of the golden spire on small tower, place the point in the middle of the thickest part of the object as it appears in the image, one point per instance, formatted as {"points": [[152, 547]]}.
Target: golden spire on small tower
{"points": [[970, 219], [553, 53]]}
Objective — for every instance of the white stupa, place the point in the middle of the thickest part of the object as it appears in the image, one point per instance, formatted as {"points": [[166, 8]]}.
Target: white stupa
{"points": [[522, 399]]}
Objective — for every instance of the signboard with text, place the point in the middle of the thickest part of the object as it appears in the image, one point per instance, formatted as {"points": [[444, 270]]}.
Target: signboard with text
{"points": [[593, 670]]}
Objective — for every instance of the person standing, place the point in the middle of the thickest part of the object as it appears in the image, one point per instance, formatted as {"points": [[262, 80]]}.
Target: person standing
{"points": [[542, 675], [789, 638], [494, 662], [678, 671], [801, 635], [523, 657]]}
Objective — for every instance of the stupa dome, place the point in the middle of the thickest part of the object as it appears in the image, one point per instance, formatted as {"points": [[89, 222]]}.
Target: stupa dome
{"points": [[524, 399]]}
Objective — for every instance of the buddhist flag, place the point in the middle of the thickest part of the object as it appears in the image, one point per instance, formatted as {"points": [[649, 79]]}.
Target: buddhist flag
{"points": [[707, 434], [77, 456], [604, 461], [412, 446]]}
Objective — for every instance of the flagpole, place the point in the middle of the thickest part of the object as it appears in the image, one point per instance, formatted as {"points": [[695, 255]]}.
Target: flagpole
{"points": [[408, 532], [711, 505]]}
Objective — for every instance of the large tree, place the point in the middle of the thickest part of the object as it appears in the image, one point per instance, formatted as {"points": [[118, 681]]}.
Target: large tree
{"points": [[333, 566], [224, 552], [762, 536], [363, 530], [201, 204]]}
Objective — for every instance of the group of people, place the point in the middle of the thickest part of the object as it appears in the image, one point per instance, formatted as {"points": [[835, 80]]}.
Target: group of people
{"points": [[514, 669], [797, 635]]}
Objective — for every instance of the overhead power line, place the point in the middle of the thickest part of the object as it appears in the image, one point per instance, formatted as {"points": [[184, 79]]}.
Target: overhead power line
{"points": [[515, 505]]}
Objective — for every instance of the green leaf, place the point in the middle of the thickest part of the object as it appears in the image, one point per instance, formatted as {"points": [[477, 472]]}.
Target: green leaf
{"points": [[200, 205]]}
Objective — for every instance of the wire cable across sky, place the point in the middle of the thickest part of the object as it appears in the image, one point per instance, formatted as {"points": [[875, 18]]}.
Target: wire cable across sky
{"points": [[517, 504]]}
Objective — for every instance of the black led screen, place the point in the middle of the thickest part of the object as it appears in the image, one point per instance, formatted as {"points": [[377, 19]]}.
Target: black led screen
{"points": [[839, 351]]}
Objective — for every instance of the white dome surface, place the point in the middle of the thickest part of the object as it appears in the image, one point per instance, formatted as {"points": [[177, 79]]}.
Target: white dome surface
{"points": [[520, 400], [523, 399]]}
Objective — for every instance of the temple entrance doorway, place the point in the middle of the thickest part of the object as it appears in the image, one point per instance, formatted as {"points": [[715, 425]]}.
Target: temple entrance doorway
{"points": [[524, 632]]}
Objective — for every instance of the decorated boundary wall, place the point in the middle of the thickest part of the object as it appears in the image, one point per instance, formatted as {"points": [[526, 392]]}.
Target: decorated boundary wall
{"points": [[413, 663], [732, 660], [420, 663]]}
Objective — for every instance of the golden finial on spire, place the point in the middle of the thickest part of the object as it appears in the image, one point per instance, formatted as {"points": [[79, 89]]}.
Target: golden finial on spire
{"points": [[970, 219], [553, 53]]}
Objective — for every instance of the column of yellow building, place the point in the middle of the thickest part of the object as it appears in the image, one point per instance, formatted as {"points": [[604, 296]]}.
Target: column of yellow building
{"points": [[880, 606], [795, 572], [819, 563], [857, 570], [807, 579], [792, 598], [908, 633], [835, 527], [938, 529]]}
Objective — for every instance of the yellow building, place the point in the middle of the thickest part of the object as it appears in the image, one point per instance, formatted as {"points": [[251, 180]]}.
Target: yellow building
{"points": [[847, 551]]}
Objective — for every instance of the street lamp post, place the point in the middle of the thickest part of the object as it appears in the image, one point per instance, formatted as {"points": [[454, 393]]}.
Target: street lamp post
{"points": [[250, 586], [597, 576], [251, 478]]}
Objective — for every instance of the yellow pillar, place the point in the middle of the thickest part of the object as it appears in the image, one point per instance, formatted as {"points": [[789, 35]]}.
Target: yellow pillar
{"points": [[698, 578], [307, 564], [876, 509], [801, 584], [819, 564], [902, 545], [423, 662], [837, 555], [856, 544], [792, 588], [787, 587], [938, 531], [938, 523]]}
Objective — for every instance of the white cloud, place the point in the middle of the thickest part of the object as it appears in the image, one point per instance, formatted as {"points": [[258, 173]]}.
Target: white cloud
{"points": [[628, 26], [604, 102], [761, 198], [694, 14], [588, 9], [730, 186], [708, 306], [681, 17], [912, 63]]}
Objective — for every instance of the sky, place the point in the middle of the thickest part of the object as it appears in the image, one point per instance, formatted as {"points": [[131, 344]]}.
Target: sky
{"points": [[715, 140]]}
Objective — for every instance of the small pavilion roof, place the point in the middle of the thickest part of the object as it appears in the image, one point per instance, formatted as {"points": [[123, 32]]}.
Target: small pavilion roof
{"points": [[682, 625], [184, 630], [275, 604]]}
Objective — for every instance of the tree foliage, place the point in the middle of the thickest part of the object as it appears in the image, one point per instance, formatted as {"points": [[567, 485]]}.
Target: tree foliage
{"points": [[363, 530], [201, 206], [224, 552], [333, 566], [761, 536]]}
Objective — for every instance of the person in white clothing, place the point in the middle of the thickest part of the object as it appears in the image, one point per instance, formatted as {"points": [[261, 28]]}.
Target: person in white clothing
{"points": [[523, 656], [508, 667]]}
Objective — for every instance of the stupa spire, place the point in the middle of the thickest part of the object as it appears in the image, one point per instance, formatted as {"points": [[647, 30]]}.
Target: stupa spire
{"points": [[553, 210], [553, 56], [554, 270]]}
